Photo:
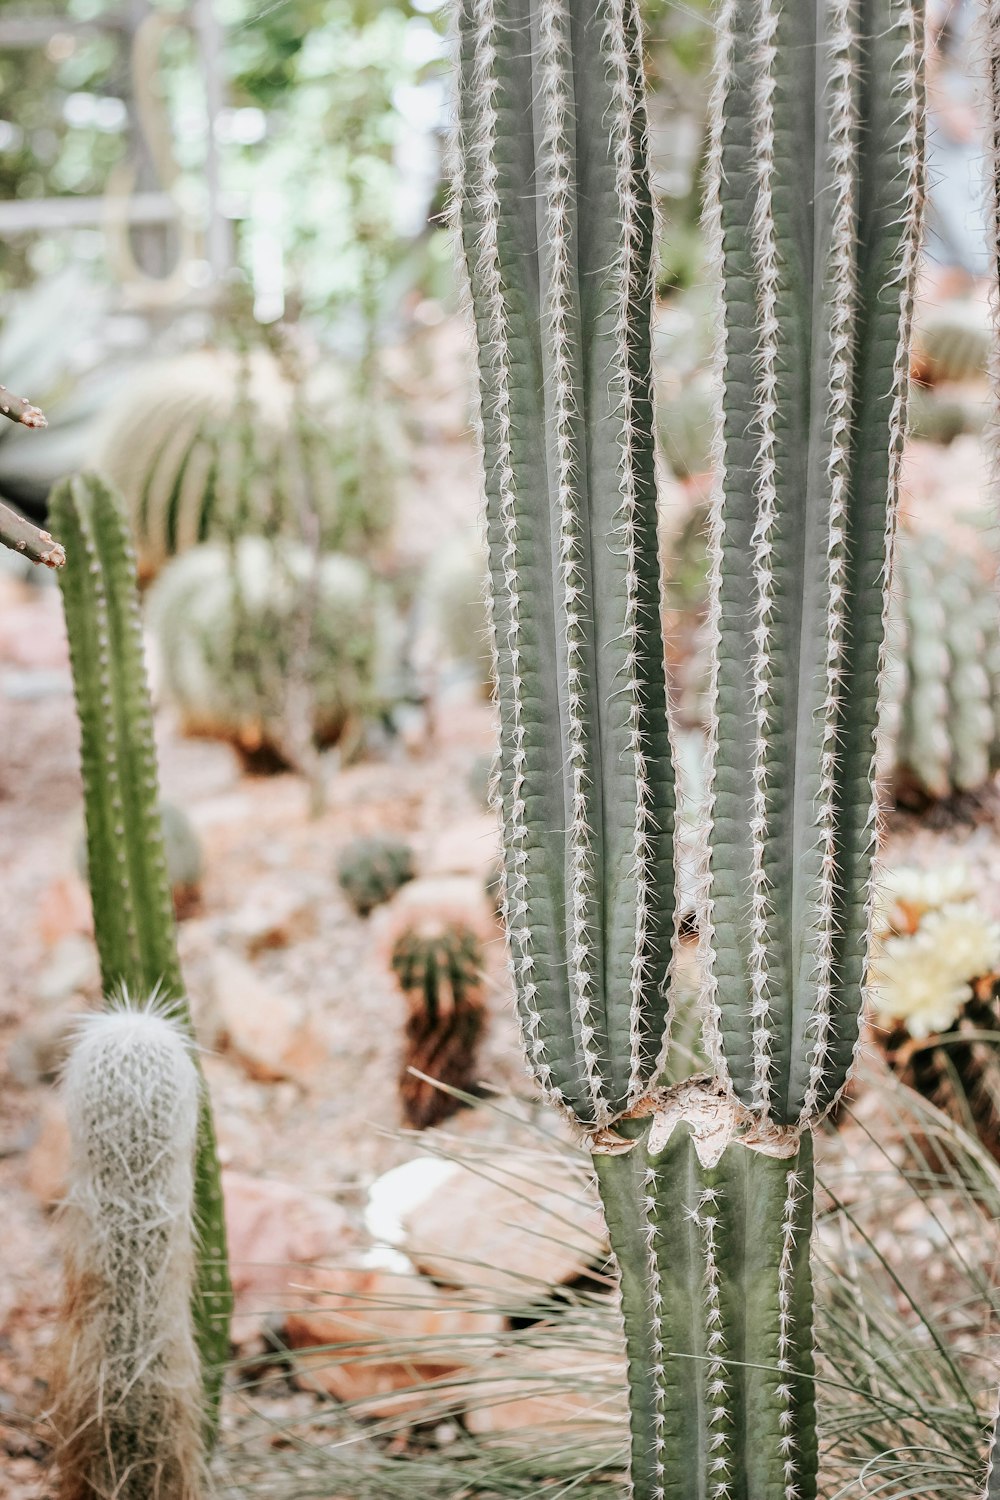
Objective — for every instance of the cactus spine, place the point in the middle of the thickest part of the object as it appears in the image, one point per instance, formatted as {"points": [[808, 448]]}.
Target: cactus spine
{"points": [[130, 890], [814, 207], [128, 1396]]}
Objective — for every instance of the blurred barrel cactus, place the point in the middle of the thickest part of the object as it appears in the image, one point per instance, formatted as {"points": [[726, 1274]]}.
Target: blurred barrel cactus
{"points": [[127, 1397], [371, 870], [214, 443], [437, 959], [944, 708], [815, 193], [228, 624]]}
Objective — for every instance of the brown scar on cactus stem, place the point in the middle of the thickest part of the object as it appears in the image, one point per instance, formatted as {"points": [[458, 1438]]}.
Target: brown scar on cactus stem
{"points": [[715, 1117], [19, 409], [33, 543]]}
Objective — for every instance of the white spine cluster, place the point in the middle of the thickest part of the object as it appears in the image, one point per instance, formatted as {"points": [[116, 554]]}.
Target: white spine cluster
{"points": [[635, 283], [482, 150], [843, 144], [768, 276], [909, 24], [558, 185], [659, 1370], [719, 1416], [128, 1389], [724, 60], [786, 1331]]}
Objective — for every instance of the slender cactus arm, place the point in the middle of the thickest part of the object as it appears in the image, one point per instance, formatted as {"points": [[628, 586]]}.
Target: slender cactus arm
{"points": [[33, 543], [18, 409]]}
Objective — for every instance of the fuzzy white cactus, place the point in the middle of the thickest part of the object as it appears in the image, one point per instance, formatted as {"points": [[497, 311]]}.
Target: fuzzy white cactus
{"points": [[128, 1405]]}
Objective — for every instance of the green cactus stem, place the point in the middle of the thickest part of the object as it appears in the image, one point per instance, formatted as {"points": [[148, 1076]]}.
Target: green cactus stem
{"points": [[130, 891], [815, 194], [561, 281], [16, 532], [30, 541], [127, 1389], [371, 870], [817, 258], [20, 410]]}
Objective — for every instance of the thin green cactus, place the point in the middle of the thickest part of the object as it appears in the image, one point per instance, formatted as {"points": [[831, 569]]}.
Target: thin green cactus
{"points": [[130, 891], [816, 251], [127, 1390], [371, 870]]}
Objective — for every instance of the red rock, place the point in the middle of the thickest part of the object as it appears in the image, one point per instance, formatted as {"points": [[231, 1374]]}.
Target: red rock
{"points": [[390, 1343], [274, 1231]]}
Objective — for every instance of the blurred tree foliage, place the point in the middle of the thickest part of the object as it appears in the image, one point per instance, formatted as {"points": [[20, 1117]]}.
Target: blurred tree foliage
{"points": [[63, 124]]}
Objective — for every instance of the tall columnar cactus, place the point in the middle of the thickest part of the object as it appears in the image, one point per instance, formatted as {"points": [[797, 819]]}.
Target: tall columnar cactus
{"points": [[129, 884], [814, 202], [127, 1387]]}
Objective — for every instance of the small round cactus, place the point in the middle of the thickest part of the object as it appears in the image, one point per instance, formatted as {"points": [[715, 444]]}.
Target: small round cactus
{"points": [[371, 870], [438, 964], [228, 627], [952, 341], [127, 1384]]}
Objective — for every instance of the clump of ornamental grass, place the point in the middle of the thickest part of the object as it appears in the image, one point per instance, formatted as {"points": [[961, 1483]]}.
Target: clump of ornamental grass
{"points": [[907, 1371]]}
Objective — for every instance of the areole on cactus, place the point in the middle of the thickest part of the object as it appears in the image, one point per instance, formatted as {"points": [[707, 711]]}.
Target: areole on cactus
{"points": [[814, 202]]}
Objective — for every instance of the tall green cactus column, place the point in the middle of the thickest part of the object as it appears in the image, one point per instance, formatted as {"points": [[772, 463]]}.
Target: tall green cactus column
{"points": [[130, 890], [814, 207]]}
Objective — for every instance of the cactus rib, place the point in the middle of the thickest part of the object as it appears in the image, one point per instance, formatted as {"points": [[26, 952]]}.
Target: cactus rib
{"points": [[812, 351], [566, 417]]}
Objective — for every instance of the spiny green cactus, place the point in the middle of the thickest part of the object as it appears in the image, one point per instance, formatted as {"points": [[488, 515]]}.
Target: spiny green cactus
{"points": [[127, 1392], [940, 415], [181, 848], [227, 626], [209, 443], [371, 870], [953, 341], [815, 195], [946, 671], [438, 964], [130, 892]]}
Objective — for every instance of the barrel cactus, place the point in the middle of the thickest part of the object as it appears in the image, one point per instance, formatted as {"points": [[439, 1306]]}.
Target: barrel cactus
{"points": [[127, 1396], [945, 708], [707, 1185], [437, 960], [229, 625], [130, 892], [371, 870], [212, 443], [953, 341]]}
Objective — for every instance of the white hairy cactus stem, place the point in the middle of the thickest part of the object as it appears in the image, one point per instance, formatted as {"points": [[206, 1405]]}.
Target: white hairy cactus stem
{"points": [[127, 1400]]}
